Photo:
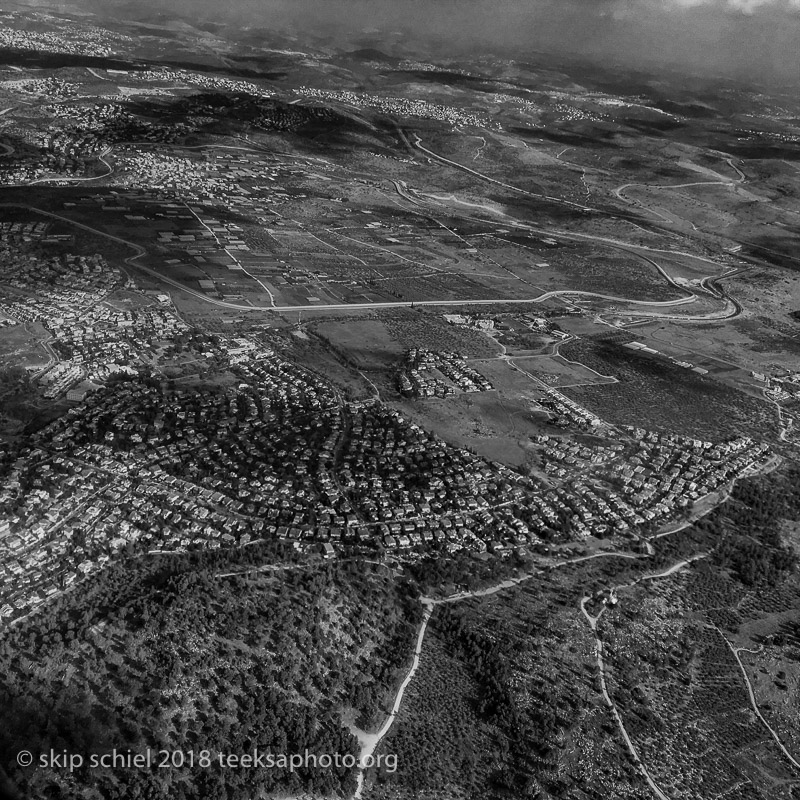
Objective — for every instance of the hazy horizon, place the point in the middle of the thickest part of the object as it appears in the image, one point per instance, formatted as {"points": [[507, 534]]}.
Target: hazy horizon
{"points": [[749, 40]]}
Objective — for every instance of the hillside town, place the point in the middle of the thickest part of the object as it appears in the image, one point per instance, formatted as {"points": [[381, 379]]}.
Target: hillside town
{"points": [[73, 39], [401, 106], [90, 338], [211, 83], [139, 465], [143, 468], [93, 128], [414, 391]]}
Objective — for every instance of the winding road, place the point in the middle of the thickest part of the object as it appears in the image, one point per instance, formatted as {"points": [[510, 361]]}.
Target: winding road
{"points": [[417, 145], [723, 181], [731, 307], [783, 426], [141, 252], [598, 649], [751, 693], [370, 741], [56, 180]]}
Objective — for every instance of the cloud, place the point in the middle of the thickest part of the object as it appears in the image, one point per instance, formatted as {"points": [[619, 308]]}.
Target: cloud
{"points": [[746, 6]]}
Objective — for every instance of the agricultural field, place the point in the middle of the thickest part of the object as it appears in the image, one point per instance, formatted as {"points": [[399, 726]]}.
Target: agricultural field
{"points": [[556, 371]]}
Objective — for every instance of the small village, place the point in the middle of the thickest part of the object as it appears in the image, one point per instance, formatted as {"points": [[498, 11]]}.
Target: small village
{"points": [[401, 106], [73, 39], [425, 373], [90, 338], [212, 83]]}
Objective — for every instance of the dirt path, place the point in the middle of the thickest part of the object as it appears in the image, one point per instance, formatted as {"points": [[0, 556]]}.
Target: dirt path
{"points": [[369, 741], [751, 693], [598, 649]]}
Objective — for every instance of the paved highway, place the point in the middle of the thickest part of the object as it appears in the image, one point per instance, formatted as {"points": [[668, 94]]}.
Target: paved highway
{"points": [[417, 144], [141, 252], [632, 249]]}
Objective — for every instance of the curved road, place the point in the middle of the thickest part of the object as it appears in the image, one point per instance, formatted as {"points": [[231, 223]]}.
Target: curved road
{"points": [[783, 427], [706, 284], [141, 252], [751, 693], [64, 180], [625, 246], [370, 741], [598, 649], [732, 308], [417, 145], [723, 181]]}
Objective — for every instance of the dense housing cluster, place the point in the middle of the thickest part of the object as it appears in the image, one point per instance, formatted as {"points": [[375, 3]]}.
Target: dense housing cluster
{"points": [[280, 456], [94, 128], [646, 483], [565, 412], [428, 373], [90, 339], [50, 87], [109, 335], [232, 177], [77, 40], [402, 106], [68, 279], [210, 82]]}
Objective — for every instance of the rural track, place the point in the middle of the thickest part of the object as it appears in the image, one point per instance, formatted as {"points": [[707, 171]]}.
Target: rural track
{"points": [[752, 696]]}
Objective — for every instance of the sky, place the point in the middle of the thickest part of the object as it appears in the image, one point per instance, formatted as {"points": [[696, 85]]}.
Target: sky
{"points": [[756, 41]]}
